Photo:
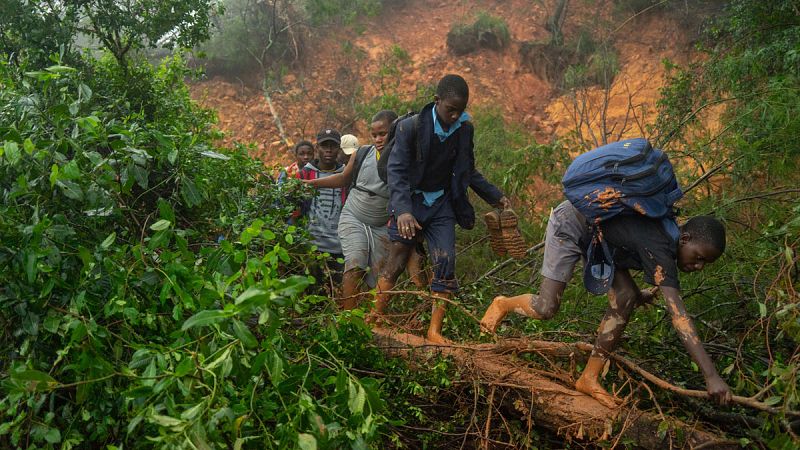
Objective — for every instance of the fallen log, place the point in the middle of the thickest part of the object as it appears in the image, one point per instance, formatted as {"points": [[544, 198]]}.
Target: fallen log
{"points": [[519, 345], [549, 404]]}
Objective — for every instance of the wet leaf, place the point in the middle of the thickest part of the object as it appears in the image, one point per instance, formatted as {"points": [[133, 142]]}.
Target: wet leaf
{"points": [[204, 318], [160, 225], [306, 441]]}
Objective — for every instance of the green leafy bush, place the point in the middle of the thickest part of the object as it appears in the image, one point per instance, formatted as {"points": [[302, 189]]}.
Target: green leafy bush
{"points": [[340, 11], [152, 289], [485, 32], [250, 36], [599, 69]]}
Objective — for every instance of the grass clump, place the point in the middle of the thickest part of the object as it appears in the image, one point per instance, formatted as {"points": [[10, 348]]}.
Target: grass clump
{"points": [[486, 31]]}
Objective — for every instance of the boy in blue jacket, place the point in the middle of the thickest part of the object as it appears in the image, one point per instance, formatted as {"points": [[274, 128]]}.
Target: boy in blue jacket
{"points": [[431, 165]]}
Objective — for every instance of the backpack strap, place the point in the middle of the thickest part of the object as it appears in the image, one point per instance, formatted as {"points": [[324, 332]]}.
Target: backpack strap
{"points": [[416, 140], [360, 156]]}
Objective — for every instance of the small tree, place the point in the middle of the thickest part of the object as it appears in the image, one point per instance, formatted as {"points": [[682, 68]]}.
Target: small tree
{"points": [[36, 29], [132, 24]]}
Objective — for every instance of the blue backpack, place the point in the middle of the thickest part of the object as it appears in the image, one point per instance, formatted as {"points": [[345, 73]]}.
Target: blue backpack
{"points": [[626, 177]]}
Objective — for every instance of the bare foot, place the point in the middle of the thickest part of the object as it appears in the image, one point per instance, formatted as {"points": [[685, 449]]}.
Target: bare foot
{"points": [[493, 316], [437, 338], [595, 390]]}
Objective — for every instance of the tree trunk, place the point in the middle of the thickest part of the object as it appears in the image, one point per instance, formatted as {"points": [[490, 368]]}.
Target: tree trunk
{"points": [[549, 404]]}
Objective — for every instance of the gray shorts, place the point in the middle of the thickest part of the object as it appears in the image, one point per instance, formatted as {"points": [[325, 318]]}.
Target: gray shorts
{"points": [[364, 247], [567, 233]]}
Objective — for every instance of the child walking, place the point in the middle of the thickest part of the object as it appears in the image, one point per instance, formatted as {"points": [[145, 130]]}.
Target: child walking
{"points": [[324, 209], [363, 222], [303, 154], [429, 170]]}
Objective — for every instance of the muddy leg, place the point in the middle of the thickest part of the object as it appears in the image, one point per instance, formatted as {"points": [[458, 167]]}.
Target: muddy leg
{"points": [[351, 284], [543, 306], [417, 271], [395, 263], [437, 318], [622, 300]]}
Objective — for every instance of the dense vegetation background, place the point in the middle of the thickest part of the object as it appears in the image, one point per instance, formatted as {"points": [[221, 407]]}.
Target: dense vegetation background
{"points": [[154, 295]]}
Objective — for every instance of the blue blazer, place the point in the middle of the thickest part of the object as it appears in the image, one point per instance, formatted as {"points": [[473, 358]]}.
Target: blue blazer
{"points": [[406, 168]]}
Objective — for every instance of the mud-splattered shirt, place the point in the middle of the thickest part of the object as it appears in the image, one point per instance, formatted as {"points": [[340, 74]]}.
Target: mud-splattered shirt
{"points": [[640, 243]]}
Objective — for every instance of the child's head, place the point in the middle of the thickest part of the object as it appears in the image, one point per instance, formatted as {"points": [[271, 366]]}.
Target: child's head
{"points": [[303, 153], [328, 147], [702, 241], [349, 145], [452, 95], [379, 127]]}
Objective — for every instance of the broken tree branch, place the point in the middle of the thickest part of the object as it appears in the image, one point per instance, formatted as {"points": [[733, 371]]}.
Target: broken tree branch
{"points": [[549, 404], [565, 349]]}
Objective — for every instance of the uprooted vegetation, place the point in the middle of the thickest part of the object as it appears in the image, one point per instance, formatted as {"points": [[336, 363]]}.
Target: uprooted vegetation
{"points": [[155, 295], [586, 58], [485, 31]]}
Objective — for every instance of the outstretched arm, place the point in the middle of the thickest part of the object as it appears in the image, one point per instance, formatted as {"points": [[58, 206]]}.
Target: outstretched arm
{"points": [[683, 324], [487, 191], [339, 180]]}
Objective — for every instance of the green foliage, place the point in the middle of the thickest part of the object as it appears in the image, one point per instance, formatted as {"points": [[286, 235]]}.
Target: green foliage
{"points": [[388, 79], [32, 31], [122, 27], [738, 107], [250, 35], [148, 298], [340, 12], [599, 69], [577, 63], [37, 29], [486, 31], [486, 24], [511, 158], [754, 76]]}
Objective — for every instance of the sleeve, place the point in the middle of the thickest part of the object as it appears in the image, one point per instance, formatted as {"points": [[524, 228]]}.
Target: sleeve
{"points": [[657, 252], [485, 190], [397, 170]]}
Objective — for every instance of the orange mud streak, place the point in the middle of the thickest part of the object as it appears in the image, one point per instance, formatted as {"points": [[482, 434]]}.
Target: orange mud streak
{"points": [[606, 198], [684, 327], [659, 275]]}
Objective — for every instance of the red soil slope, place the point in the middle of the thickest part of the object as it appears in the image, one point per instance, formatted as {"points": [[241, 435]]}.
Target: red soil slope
{"points": [[340, 67]]}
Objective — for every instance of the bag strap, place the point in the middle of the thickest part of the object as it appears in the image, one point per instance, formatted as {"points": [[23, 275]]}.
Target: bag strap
{"points": [[416, 137], [360, 156]]}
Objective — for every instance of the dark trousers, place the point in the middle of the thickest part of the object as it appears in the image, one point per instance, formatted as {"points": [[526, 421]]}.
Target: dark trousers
{"points": [[439, 229]]}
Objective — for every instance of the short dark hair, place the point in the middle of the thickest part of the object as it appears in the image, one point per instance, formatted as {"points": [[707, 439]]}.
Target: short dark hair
{"points": [[303, 143], [706, 229], [385, 115], [452, 86]]}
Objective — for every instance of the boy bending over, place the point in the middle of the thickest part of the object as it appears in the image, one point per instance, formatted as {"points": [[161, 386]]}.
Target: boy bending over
{"points": [[640, 243]]}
